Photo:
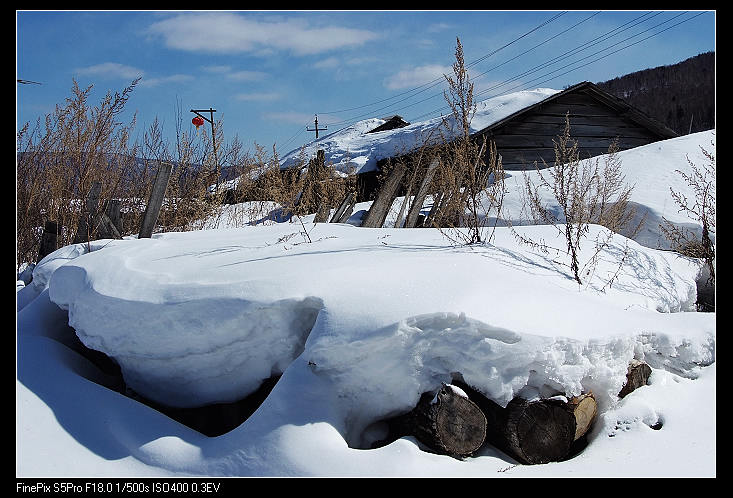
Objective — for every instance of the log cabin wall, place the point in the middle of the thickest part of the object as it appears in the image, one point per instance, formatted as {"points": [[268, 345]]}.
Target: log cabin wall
{"points": [[596, 118]]}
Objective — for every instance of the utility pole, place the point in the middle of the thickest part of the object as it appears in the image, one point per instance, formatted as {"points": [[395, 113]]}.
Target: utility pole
{"points": [[317, 129], [213, 137]]}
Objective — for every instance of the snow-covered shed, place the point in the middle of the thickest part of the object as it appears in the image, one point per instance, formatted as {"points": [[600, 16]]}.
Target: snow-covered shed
{"points": [[596, 119]]}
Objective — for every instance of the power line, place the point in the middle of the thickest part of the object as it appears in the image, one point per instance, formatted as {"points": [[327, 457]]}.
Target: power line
{"points": [[515, 40], [569, 53], [298, 133], [595, 41], [527, 84], [574, 52], [580, 47], [430, 84], [565, 55]]}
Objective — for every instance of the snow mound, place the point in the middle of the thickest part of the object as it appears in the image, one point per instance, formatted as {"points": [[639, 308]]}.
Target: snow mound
{"points": [[203, 317], [188, 351], [384, 373]]}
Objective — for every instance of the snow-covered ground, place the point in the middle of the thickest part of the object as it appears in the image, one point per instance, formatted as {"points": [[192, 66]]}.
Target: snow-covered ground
{"points": [[360, 322]]}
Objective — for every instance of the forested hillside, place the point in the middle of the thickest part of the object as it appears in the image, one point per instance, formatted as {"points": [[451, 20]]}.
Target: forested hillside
{"points": [[675, 95]]}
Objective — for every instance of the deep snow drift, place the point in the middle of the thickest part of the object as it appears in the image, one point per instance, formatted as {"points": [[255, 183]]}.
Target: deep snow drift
{"points": [[398, 313], [360, 322]]}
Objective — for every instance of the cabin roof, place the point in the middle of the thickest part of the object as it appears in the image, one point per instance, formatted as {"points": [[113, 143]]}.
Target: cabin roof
{"points": [[586, 87]]}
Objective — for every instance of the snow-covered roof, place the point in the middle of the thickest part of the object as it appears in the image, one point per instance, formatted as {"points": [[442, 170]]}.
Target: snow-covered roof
{"points": [[353, 148]]}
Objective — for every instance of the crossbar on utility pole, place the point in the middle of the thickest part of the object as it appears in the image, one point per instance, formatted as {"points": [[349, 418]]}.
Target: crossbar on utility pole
{"points": [[316, 129]]}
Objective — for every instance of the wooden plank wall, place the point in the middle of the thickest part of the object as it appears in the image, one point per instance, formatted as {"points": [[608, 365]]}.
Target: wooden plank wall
{"points": [[529, 137]]}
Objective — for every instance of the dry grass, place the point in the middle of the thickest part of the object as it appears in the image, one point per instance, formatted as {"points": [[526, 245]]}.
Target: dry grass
{"points": [[701, 209], [470, 181], [587, 192]]}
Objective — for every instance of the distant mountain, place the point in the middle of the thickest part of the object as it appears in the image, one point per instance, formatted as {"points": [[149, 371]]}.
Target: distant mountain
{"points": [[675, 95]]}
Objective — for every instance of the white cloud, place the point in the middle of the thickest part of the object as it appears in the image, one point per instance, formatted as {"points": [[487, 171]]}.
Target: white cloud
{"points": [[174, 78], [216, 69], [111, 70], [439, 26], [262, 96], [223, 32], [247, 75], [409, 78], [328, 63]]}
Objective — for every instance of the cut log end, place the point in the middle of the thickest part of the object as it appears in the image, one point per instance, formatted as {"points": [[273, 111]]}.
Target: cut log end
{"points": [[637, 375], [460, 424], [449, 423], [585, 409], [540, 431]]}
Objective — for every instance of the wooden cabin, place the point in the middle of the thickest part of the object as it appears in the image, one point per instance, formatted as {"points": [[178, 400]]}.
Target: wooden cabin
{"points": [[526, 136], [596, 119]]}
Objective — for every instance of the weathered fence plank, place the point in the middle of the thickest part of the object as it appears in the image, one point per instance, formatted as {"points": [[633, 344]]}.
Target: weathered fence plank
{"points": [[380, 207], [341, 210], [422, 192], [49, 239], [157, 194]]}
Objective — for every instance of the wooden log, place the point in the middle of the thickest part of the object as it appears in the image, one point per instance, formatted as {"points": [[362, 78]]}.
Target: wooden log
{"points": [[342, 208], [531, 431], [380, 207], [535, 431], [422, 192], [157, 194], [448, 422], [585, 409], [637, 375]]}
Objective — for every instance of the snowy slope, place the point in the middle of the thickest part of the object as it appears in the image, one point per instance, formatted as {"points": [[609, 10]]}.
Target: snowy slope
{"points": [[652, 171]]}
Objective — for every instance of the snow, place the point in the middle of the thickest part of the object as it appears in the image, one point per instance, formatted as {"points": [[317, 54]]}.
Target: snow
{"points": [[361, 322], [652, 170]]}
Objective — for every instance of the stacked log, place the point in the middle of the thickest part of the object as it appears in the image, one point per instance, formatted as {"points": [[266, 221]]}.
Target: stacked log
{"points": [[536, 431], [637, 375], [458, 420], [448, 423]]}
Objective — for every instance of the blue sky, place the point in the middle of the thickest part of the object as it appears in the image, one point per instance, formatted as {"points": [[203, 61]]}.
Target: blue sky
{"points": [[267, 73]]}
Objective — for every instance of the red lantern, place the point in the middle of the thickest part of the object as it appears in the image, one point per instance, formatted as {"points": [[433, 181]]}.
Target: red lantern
{"points": [[197, 121]]}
